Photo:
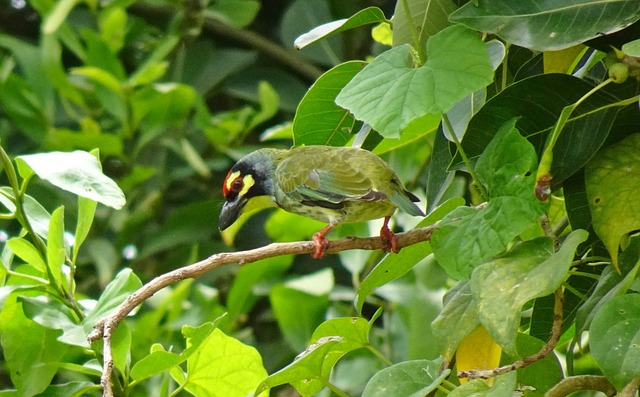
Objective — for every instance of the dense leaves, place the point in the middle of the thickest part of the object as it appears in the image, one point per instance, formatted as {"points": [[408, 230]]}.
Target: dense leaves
{"points": [[120, 120]]}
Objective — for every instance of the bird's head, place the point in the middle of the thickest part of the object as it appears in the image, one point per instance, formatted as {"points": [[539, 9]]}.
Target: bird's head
{"points": [[250, 181]]}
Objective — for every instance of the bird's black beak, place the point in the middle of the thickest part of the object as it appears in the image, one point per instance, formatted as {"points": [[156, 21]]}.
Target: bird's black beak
{"points": [[231, 211]]}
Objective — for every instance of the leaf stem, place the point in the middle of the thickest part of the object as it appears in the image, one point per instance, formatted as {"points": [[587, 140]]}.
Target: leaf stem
{"points": [[414, 33], [334, 389], [465, 159], [547, 157], [380, 356]]}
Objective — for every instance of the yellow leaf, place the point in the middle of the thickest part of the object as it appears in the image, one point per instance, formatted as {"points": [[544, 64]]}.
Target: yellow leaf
{"points": [[478, 350], [562, 61]]}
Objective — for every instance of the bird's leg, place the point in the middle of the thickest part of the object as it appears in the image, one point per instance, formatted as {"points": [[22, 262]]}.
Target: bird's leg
{"points": [[389, 240], [321, 242]]}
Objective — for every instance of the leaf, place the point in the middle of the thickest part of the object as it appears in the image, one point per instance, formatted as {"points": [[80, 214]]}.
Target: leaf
{"points": [[22, 107], [612, 190], [86, 212], [57, 17], [353, 334], [609, 285], [52, 314], [428, 17], [503, 386], [537, 103], [390, 92], [318, 120], [506, 168], [304, 15], [306, 366], [223, 367], [156, 362], [458, 318], [239, 13], [116, 292], [242, 294], [26, 251], [366, 16], [29, 349], [69, 389], [77, 172], [393, 266], [547, 25], [614, 338], [298, 314], [530, 270], [56, 251], [409, 378], [507, 164], [477, 350]]}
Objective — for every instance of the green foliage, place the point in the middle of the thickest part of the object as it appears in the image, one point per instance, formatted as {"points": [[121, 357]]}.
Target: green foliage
{"points": [[119, 121]]}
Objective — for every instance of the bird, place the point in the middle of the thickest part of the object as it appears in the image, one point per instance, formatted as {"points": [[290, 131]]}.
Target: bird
{"points": [[331, 184]]}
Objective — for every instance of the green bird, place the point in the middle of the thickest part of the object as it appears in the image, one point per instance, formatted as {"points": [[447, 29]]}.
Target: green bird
{"points": [[329, 184]]}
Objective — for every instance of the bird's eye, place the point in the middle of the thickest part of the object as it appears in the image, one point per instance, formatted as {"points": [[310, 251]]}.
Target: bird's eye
{"points": [[236, 186]]}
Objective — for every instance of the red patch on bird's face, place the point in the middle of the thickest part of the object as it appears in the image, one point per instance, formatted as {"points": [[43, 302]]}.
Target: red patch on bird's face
{"points": [[233, 184]]}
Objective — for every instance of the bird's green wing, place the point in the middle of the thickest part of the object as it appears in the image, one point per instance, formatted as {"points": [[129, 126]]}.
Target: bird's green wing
{"points": [[325, 176]]}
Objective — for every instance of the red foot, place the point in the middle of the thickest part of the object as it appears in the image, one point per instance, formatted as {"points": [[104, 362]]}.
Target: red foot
{"points": [[389, 240], [321, 242]]}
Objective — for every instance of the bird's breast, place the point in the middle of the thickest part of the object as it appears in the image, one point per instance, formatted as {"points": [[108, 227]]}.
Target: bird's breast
{"points": [[350, 211]]}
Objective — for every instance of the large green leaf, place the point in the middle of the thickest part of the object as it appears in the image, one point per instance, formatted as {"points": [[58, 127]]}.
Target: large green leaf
{"points": [[30, 350], [394, 89], [353, 334], [308, 365], [409, 378], [468, 236], [428, 17], [503, 385], [77, 172], [318, 120], [548, 24], [614, 338], [613, 188], [52, 314], [458, 318], [530, 270], [537, 103], [119, 289], [223, 367]]}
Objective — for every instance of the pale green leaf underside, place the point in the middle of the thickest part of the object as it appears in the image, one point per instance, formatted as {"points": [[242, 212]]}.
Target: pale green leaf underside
{"points": [[77, 172], [390, 92]]}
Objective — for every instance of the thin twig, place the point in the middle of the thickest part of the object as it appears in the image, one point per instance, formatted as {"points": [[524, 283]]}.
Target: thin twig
{"points": [[556, 332], [631, 389], [106, 326], [286, 57], [573, 384]]}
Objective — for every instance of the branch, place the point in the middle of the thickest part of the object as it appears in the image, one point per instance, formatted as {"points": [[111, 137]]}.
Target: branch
{"points": [[288, 57], [107, 326], [556, 332], [573, 384]]}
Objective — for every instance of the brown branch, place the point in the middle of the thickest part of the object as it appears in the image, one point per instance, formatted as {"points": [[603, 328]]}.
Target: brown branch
{"points": [[573, 384], [107, 326], [288, 57], [556, 332], [631, 389]]}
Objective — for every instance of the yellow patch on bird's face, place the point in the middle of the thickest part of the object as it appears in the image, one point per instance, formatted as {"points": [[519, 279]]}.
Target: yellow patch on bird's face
{"points": [[248, 182], [230, 178]]}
